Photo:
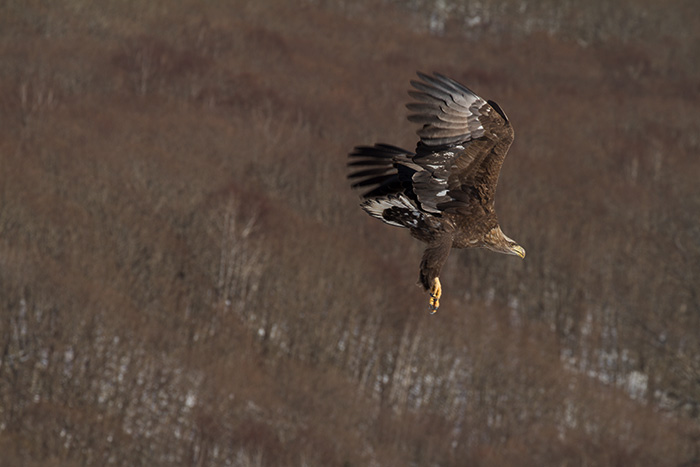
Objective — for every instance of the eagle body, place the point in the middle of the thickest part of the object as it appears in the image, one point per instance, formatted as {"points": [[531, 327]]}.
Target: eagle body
{"points": [[444, 191]]}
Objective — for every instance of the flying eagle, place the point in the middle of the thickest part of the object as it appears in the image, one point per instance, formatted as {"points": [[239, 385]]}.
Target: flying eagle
{"points": [[444, 192]]}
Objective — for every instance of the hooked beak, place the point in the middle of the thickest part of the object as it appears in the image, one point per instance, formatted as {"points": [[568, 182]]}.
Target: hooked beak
{"points": [[518, 250]]}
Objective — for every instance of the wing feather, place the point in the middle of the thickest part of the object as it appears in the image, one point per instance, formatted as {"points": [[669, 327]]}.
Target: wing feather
{"points": [[388, 167], [463, 141], [444, 104]]}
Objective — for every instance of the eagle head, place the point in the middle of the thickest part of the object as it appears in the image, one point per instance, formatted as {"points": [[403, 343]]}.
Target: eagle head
{"points": [[516, 249], [499, 242]]}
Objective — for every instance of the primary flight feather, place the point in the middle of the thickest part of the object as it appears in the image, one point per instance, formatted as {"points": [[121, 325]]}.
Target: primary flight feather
{"points": [[444, 191]]}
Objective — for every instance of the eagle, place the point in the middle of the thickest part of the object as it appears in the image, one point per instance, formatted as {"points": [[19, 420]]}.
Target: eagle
{"points": [[443, 193]]}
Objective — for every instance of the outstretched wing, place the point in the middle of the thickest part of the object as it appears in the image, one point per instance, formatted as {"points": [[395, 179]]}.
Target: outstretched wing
{"points": [[388, 173], [463, 142], [386, 169]]}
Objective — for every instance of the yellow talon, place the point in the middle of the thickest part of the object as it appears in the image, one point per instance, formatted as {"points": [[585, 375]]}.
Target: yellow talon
{"points": [[435, 294]]}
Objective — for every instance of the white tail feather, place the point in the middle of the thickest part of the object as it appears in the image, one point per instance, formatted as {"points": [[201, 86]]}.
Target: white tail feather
{"points": [[375, 207]]}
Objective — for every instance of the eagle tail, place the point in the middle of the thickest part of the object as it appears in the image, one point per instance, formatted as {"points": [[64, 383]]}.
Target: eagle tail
{"points": [[396, 210]]}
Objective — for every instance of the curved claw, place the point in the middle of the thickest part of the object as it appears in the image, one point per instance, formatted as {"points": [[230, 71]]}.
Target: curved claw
{"points": [[435, 294]]}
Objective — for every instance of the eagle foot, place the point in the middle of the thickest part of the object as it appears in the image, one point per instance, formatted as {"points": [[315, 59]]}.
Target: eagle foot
{"points": [[435, 294]]}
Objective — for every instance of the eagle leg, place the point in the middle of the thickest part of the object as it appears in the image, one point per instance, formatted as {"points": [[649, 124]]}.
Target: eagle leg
{"points": [[435, 294]]}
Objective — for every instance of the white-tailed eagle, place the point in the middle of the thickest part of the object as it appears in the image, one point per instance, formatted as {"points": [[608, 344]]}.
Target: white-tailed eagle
{"points": [[444, 192]]}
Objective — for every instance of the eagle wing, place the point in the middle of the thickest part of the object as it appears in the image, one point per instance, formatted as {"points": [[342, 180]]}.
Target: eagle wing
{"points": [[388, 167], [463, 142]]}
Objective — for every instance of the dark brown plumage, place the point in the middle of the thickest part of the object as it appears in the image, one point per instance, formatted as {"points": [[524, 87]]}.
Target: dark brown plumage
{"points": [[444, 192]]}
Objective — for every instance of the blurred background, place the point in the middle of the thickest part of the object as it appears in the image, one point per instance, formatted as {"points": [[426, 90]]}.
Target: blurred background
{"points": [[187, 279]]}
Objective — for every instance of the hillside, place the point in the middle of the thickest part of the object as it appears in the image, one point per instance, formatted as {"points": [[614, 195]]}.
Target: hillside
{"points": [[186, 277]]}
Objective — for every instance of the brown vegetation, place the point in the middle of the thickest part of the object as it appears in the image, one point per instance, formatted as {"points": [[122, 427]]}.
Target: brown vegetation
{"points": [[186, 279]]}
